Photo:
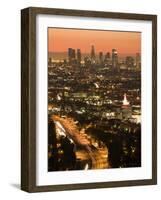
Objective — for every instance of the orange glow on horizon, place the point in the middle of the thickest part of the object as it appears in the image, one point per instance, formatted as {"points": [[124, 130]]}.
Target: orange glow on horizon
{"points": [[60, 39]]}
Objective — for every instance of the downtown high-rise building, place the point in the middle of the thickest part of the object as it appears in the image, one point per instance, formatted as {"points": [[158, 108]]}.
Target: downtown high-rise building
{"points": [[71, 55], [101, 57], [79, 56], [115, 66], [93, 55], [107, 58]]}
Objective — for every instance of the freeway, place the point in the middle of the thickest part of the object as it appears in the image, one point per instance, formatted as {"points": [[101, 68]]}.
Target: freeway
{"points": [[97, 156]]}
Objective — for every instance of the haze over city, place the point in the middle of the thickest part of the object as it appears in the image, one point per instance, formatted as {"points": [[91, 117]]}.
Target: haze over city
{"points": [[59, 40], [94, 99]]}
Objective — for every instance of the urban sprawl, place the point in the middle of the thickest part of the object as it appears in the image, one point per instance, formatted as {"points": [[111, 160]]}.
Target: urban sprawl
{"points": [[94, 111]]}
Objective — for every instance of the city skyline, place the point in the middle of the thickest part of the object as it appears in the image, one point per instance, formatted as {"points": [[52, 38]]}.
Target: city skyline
{"points": [[60, 39], [94, 100]]}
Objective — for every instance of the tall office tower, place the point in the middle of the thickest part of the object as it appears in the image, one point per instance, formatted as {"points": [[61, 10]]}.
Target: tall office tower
{"points": [[101, 57], [107, 58], [129, 62], [138, 61], [115, 60], [79, 55], [93, 56], [71, 55]]}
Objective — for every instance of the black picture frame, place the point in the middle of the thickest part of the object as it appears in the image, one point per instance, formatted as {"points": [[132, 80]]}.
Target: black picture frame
{"points": [[28, 98]]}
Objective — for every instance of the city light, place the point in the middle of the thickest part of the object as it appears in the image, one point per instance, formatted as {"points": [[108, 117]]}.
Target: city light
{"points": [[94, 108]]}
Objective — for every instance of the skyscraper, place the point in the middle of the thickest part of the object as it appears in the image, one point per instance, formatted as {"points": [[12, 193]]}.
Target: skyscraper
{"points": [[79, 55], [107, 58], [71, 55], [101, 57], [107, 55], [115, 66], [93, 56]]}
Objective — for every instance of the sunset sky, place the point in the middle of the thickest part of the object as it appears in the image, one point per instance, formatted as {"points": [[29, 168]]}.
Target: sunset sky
{"points": [[59, 40]]}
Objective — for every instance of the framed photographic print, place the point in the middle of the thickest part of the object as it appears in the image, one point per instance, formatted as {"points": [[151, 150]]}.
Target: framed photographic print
{"points": [[89, 99]]}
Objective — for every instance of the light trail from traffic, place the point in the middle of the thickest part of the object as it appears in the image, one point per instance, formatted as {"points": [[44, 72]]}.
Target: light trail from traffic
{"points": [[97, 156]]}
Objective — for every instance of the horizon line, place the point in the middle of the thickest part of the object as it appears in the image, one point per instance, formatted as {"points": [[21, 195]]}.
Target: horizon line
{"points": [[90, 52]]}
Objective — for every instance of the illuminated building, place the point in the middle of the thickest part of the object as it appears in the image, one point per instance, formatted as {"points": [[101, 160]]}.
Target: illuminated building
{"points": [[87, 61], [91, 96], [80, 94], [125, 101], [126, 108], [129, 62], [115, 66]]}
